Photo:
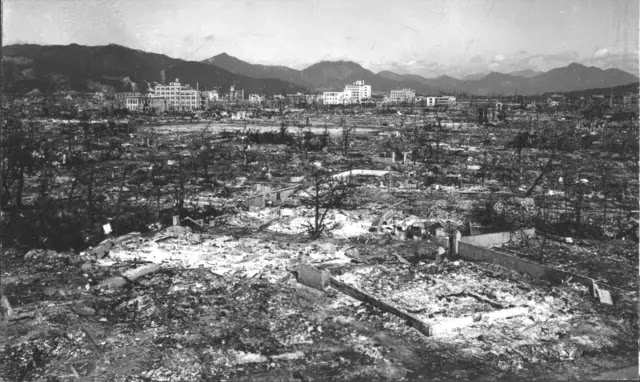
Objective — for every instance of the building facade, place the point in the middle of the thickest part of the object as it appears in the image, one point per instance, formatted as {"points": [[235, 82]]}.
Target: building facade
{"points": [[403, 95], [236, 95], [333, 98], [354, 93], [147, 104], [441, 101], [180, 97], [357, 92]]}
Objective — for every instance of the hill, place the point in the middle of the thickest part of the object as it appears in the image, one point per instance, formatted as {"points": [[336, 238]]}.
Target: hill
{"points": [[616, 91], [51, 68], [526, 73], [237, 66], [579, 77], [115, 67]]}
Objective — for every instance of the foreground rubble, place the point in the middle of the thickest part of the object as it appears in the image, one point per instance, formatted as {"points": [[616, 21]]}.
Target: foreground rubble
{"points": [[223, 304]]}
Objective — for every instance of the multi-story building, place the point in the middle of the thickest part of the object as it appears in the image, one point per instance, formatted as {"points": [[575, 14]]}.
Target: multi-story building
{"points": [[147, 103], [404, 95], [355, 93], [124, 95], [441, 101], [236, 95], [181, 97], [132, 103], [333, 98], [121, 98]]}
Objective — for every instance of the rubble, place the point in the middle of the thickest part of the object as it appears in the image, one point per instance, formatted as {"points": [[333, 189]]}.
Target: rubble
{"points": [[426, 270]]}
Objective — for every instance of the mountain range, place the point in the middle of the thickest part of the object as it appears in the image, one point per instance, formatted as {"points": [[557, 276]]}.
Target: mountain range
{"points": [[115, 67]]}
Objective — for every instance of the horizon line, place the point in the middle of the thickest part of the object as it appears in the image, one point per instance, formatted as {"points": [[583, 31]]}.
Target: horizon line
{"points": [[637, 75]]}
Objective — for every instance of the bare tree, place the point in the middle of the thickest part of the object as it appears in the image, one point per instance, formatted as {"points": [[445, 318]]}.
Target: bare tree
{"points": [[324, 193]]}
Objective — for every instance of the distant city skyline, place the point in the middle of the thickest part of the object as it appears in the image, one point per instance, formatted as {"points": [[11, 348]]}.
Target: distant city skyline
{"points": [[429, 38]]}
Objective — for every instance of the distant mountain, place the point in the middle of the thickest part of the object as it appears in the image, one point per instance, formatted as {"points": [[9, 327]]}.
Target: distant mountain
{"points": [[447, 84], [579, 77], [237, 66], [496, 83], [474, 76], [114, 67], [616, 91], [526, 73], [409, 79], [333, 75], [397, 77]]}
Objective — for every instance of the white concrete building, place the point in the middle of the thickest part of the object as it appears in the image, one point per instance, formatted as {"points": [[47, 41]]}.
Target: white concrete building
{"points": [[354, 93], [441, 101], [333, 98], [181, 97], [132, 103], [357, 92], [146, 103], [403, 95]]}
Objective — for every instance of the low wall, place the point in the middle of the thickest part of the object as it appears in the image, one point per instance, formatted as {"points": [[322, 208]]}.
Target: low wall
{"points": [[490, 239], [475, 253]]}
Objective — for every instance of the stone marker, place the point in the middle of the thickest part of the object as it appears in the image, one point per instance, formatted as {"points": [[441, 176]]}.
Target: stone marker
{"points": [[176, 220], [603, 295], [455, 239], [312, 277]]}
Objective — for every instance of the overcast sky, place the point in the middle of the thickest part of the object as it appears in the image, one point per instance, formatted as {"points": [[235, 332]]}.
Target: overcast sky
{"points": [[456, 37]]}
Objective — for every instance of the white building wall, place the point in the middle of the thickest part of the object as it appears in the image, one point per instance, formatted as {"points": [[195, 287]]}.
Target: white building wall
{"points": [[354, 93], [402, 95], [333, 98], [444, 100], [179, 96]]}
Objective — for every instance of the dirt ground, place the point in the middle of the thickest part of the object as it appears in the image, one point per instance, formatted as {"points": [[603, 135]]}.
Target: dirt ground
{"points": [[225, 305]]}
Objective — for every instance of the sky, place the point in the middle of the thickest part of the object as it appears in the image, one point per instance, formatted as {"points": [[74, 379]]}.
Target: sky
{"points": [[430, 38]]}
